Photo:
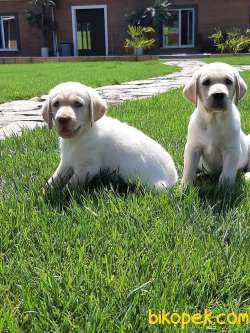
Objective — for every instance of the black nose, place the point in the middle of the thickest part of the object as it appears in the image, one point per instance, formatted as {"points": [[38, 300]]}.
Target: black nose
{"points": [[218, 97], [63, 120]]}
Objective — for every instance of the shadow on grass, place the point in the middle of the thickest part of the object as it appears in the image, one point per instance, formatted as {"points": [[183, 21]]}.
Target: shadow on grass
{"points": [[219, 199], [106, 182]]}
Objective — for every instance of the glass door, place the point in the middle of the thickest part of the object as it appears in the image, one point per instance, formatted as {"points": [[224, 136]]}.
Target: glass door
{"points": [[180, 30]]}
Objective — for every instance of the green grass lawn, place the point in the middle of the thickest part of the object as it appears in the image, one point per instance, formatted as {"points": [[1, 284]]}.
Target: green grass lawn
{"points": [[29, 80], [232, 60], [97, 261]]}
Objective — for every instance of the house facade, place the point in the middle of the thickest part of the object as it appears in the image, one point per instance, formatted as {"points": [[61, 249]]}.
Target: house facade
{"points": [[98, 27]]}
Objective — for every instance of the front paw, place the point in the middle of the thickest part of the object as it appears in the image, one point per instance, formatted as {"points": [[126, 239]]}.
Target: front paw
{"points": [[47, 188], [185, 182], [226, 181], [247, 176], [53, 184]]}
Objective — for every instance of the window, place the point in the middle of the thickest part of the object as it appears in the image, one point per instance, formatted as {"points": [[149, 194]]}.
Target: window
{"points": [[8, 33], [180, 30]]}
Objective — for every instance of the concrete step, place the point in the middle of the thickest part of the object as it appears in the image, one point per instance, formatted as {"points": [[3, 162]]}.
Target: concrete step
{"points": [[184, 56], [188, 56]]}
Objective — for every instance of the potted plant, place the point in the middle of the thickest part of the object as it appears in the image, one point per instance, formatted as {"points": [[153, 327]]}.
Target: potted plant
{"points": [[41, 16], [138, 39]]}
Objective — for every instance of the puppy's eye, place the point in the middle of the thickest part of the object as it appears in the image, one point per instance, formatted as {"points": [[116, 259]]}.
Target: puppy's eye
{"points": [[56, 104], [229, 82], [206, 83], [78, 104]]}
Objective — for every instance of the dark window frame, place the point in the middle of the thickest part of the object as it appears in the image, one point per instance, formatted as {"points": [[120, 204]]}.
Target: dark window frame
{"points": [[17, 31]]}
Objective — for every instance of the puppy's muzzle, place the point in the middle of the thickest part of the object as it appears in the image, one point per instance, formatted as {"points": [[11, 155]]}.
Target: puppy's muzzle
{"points": [[63, 121], [219, 100]]}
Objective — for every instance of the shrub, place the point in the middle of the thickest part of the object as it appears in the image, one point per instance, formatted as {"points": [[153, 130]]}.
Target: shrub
{"points": [[231, 42], [153, 16]]}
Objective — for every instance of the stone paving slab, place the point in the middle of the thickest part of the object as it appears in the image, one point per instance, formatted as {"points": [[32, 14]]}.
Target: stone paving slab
{"points": [[16, 115], [17, 127]]}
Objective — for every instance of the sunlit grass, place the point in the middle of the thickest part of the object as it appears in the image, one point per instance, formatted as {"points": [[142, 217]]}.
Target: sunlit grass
{"points": [[231, 60], [29, 80]]}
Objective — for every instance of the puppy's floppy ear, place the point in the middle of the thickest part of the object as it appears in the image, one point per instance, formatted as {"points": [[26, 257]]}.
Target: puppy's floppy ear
{"points": [[191, 89], [98, 106], [240, 88], [47, 113]]}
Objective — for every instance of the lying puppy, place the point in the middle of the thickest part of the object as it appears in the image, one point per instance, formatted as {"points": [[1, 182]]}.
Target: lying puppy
{"points": [[91, 142], [215, 141]]}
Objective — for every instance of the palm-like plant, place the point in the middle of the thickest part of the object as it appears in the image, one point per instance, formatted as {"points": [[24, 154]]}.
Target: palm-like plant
{"points": [[154, 16], [218, 40], [233, 41], [138, 37], [40, 16]]}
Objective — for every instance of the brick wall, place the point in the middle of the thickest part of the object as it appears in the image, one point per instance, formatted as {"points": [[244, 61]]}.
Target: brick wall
{"points": [[117, 26], [30, 38], [211, 14], [224, 14]]}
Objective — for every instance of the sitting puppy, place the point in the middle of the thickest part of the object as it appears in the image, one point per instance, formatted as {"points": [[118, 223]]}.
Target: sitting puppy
{"points": [[215, 141], [91, 142]]}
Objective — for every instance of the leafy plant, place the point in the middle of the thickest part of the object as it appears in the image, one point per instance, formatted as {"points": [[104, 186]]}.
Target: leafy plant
{"points": [[138, 37], [232, 42], [40, 16], [218, 40], [162, 13], [243, 43], [154, 16]]}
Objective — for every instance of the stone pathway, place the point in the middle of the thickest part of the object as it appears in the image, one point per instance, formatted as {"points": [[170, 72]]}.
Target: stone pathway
{"points": [[16, 115], [147, 88]]}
